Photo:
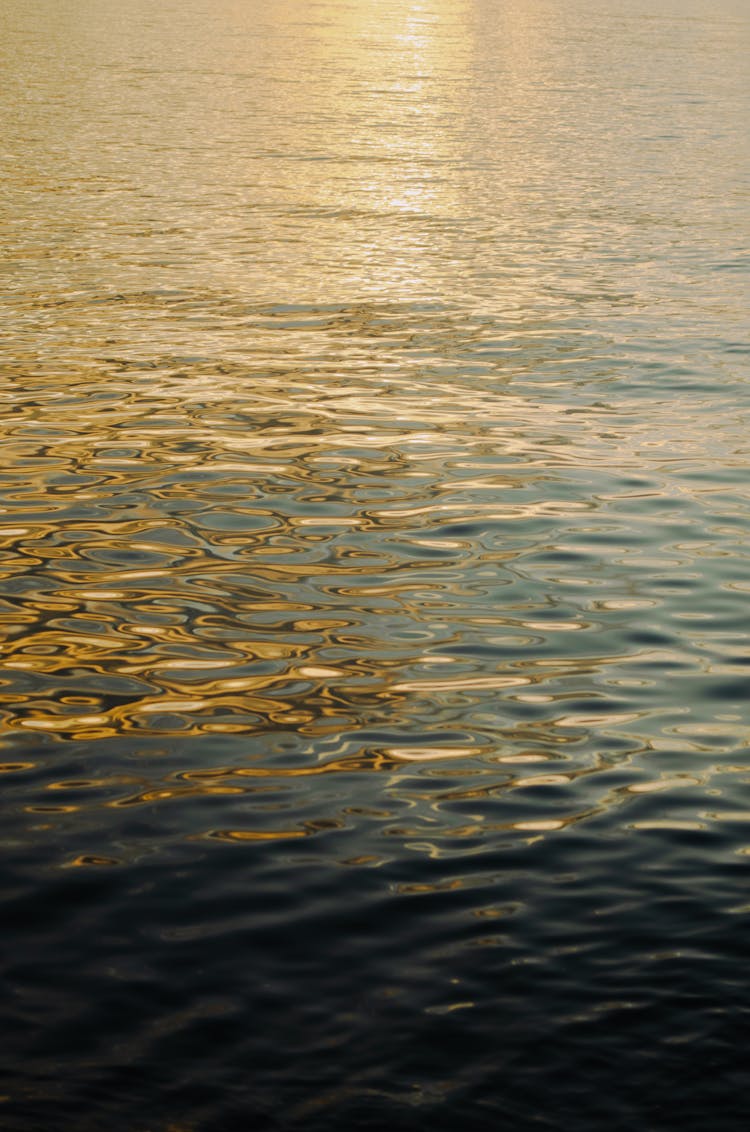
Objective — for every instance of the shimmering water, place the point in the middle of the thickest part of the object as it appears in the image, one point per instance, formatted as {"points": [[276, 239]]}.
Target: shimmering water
{"points": [[374, 514]]}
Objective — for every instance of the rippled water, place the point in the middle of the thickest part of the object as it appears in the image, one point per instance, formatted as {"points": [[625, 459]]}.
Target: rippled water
{"points": [[374, 525]]}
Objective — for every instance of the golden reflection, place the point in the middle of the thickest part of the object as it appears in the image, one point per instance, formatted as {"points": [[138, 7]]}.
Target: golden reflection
{"points": [[90, 860], [450, 1008], [174, 792], [539, 825], [669, 824], [40, 808], [438, 886], [364, 761], [255, 835], [495, 912], [341, 483], [663, 784], [429, 754]]}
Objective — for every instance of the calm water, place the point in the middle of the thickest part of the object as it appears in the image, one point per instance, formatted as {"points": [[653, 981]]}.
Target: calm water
{"points": [[374, 516]]}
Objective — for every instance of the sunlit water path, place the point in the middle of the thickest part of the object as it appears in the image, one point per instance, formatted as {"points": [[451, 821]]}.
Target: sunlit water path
{"points": [[374, 519]]}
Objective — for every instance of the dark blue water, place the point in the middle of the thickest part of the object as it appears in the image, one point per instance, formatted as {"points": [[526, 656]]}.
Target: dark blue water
{"points": [[374, 523]]}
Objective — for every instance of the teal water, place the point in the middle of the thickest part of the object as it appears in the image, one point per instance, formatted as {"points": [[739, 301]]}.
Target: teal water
{"points": [[374, 516]]}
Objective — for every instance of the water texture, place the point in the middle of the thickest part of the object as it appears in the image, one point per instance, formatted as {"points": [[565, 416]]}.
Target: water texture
{"points": [[374, 521]]}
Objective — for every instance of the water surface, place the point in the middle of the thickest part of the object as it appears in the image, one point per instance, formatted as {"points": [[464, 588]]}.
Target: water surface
{"points": [[374, 522]]}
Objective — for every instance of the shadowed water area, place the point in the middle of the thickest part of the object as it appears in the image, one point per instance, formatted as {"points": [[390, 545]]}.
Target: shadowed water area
{"points": [[374, 567]]}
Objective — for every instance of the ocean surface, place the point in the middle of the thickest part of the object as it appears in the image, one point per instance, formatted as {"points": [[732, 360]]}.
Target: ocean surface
{"points": [[375, 565]]}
